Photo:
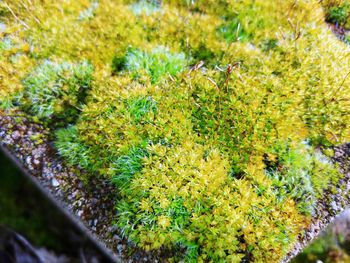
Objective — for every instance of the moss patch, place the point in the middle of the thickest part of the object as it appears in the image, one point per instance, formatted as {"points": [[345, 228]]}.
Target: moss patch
{"points": [[197, 110]]}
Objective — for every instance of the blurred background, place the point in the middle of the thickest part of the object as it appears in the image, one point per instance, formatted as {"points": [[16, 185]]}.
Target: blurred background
{"points": [[32, 230], [25, 211]]}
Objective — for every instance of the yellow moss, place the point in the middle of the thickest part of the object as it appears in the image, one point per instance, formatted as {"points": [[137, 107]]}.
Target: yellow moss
{"points": [[205, 159]]}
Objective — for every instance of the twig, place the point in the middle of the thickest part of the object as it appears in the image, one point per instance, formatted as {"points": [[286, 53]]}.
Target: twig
{"points": [[16, 17], [341, 85], [30, 13]]}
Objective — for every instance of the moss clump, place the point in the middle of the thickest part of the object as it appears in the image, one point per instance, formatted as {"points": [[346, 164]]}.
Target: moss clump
{"points": [[88, 13], [157, 63], [57, 89], [232, 31], [293, 174], [140, 107], [337, 12], [206, 159], [145, 7]]}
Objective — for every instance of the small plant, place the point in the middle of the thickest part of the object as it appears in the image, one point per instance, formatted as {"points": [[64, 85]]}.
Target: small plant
{"points": [[291, 178], [5, 44], [338, 14], [118, 64], [89, 13], [69, 146], [140, 107], [126, 166], [157, 63], [233, 31], [57, 89], [145, 7], [269, 44]]}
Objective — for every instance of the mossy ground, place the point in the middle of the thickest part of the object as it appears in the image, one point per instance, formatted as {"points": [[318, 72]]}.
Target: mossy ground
{"points": [[205, 114]]}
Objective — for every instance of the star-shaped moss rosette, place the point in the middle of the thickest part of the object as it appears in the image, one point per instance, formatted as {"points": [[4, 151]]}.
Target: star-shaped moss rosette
{"points": [[209, 130]]}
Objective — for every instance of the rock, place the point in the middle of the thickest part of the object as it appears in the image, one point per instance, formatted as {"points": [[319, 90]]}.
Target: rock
{"points": [[54, 182], [16, 135], [120, 248]]}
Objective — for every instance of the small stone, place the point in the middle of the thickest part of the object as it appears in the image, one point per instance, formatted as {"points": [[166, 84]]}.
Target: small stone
{"points": [[16, 135], [29, 160], [334, 206], [54, 182], [112, 229], [80, 213], [117, 238], [120, 248]]}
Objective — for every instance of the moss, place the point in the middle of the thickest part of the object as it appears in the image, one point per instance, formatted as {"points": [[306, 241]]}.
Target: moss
{"points": [[138, 108], [145, 7], [69, 146], [56, 90], [157, 63], [118, 64], [337, 15], [337, 12], [232, 31], [206, 159], [126, 166], [89, 13]]}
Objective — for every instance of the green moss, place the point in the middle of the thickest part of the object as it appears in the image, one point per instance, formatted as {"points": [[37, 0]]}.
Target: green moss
{"points": [[70, 147], [232, 31], [57, 90], [126, 166], [157, 63], [145, 7], [338, 14], [291, 177], [5, 44], [118, 64], [138, 108], [202, 53], [89, 13]]}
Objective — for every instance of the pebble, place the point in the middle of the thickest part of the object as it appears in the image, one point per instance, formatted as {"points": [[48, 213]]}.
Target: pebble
{"points": [[112, 229], [54, 182], [29, 160], [120, 248], [117, 238], [16, 135], [334, 206]]}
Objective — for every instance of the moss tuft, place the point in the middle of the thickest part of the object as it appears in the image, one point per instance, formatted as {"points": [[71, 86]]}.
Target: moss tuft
{"points": [[157, 63], [57, 90]]}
